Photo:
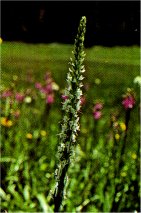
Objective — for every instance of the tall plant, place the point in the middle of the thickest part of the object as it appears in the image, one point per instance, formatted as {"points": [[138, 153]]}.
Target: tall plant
{"points": [[71, 108]]}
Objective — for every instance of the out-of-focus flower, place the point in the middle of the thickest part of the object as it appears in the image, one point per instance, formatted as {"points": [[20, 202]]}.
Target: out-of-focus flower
{"points": [[43, 133], [29, 136], [97, 115], [122, 126], [134, 156], [48, 88], [97, 111], [1, 40], [43, 90], [137, 80], [98, 106], [117, 136], [6, 122], [128, 102], [55, 86], [7, 93], [97, 81], [19, 97], [38, 85], [129, 99], [28, 99], [50, 99]]}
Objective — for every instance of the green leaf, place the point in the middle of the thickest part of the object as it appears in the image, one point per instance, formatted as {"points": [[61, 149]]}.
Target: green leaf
{"points": [[42, 200], [26, 192]]}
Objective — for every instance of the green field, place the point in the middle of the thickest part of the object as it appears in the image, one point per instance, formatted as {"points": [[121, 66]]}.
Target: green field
{"points": [[29, 144]]}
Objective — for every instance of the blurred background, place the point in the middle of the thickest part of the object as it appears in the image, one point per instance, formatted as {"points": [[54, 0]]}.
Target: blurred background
{"points": [[108, 23]]}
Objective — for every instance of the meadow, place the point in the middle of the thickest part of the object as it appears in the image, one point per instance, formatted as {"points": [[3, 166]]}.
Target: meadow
{"points": [[104, 175]]}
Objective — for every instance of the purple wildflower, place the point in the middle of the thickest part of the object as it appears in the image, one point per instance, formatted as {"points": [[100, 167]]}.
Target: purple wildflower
{"points": [[7, 93], [97, 110], [19, 97], [38, 85], [98, 106], [49, 88], [128, 102], [97, 115], [50, 99]]}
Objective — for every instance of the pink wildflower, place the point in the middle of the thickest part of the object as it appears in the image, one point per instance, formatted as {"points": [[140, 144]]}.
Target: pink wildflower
{"points": [[128, 102], [38, 85], [7, 93], [43, 90], [19, 97], [97, 115], [48, 88], [97, 111], [50, 99], [98, 106]]}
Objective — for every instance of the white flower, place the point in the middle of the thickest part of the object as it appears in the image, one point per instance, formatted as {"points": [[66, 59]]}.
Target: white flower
{"points": [[55, 86], [137, 80], [28, 99]]}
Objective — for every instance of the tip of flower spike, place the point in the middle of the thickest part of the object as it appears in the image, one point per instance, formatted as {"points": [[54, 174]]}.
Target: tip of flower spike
{"points": [[83, 18]]}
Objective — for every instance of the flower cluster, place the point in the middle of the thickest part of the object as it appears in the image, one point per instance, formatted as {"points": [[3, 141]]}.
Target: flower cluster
{"points": [[71, 108], [48, 88], [73, 93], [97, 113], [9, 93], [19, 97], [129, 99]]}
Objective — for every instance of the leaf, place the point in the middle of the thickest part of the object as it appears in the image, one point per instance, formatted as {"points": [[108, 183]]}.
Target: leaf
{"points": [[2, 194], [42, 200], [26, 192]]}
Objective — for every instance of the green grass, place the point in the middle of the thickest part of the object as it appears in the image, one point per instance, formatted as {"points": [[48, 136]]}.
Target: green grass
{"points": [[28, 164], [116, 67]]}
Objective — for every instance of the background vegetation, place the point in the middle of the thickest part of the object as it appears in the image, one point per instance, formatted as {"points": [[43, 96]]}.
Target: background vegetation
{"points": [[29, 133]]}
